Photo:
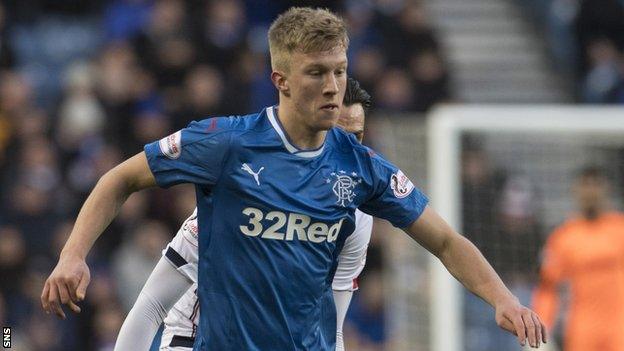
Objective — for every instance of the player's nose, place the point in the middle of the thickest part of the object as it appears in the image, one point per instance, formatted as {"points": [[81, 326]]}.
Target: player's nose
{"points": [[330, 86]]}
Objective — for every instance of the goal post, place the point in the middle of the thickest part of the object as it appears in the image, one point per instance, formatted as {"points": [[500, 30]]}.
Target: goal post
{"points": [[583, 130]]}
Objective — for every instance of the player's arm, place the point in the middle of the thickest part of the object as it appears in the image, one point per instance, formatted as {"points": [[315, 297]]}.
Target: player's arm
{"points": [[342, 300], [68, 281], [350, 264], [546, 295], [174, 274], [464, 261], [163, 289]]}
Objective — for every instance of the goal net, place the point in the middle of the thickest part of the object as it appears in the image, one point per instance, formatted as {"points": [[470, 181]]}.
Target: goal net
{"points": [[502, 176]]}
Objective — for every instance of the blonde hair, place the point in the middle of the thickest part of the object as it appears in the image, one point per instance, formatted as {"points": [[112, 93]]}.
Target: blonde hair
{"points": [[305, 30]]}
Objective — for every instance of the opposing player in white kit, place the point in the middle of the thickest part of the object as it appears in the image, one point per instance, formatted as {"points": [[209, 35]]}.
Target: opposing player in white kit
{"points": [[165, 285]]}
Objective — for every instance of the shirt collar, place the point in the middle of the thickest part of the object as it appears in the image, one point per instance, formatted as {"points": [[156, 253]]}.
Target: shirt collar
{"points": [[277, 125]]}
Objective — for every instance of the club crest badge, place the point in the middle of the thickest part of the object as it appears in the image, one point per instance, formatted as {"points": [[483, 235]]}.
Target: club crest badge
{"points": [[343, 187], [171, 146], [401, 185]]}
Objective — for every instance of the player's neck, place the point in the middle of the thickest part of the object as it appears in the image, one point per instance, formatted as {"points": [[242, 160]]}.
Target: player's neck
{"points": [[299, 133], [594, 212]]}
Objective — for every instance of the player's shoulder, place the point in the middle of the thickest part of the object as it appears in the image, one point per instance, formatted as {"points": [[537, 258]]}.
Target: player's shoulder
{"points": [[233, 123], [574, 224], [227, 128], [614, 217], [347, 143], [567, 225]]}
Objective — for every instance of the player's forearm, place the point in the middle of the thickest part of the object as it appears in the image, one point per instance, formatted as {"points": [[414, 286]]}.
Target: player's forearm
{"points": [[97, 212], [161, 291], [466, 263], [141, 325], [342, 299]]}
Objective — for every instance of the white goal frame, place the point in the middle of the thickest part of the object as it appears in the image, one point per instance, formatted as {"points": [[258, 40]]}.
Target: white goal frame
{"points": [[445, 125]]}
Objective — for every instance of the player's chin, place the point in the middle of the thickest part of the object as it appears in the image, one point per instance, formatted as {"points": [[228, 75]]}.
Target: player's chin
{"points": [[326, 122], [327, 119]]}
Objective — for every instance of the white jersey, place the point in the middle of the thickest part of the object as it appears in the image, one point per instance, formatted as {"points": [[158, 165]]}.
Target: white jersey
{"points": [[181, 321]]}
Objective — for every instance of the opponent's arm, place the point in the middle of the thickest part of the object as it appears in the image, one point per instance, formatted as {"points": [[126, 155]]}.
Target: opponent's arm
{"points": [[342, 300], [68, 281], [464, 261], [552, 273], [546, 301], [163, 289], [350, 264]]}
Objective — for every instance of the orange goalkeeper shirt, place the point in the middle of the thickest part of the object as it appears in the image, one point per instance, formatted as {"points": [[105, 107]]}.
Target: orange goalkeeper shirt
{"points": [[589, 255]]}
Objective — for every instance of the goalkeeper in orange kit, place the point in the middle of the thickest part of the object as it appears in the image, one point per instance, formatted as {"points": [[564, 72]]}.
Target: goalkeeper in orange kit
{"points": [[587, 251]]}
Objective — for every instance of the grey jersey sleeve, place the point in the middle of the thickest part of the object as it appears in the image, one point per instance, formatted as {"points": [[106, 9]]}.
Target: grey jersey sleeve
{"points": [[163, 289]]}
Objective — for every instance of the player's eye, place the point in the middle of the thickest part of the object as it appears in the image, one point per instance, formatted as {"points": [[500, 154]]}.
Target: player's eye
{"points": [[341, 71], [314, 73]]}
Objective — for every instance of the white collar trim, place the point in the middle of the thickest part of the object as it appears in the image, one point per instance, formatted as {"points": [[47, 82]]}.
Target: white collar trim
{"points": [[290, 147]]}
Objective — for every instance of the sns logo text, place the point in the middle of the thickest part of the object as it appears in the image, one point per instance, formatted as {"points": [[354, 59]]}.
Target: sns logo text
{"points": [[6, 337], [296, 225]]}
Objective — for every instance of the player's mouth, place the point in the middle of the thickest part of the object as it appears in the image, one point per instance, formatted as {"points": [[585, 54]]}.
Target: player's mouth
{"points": [[329, 107]]}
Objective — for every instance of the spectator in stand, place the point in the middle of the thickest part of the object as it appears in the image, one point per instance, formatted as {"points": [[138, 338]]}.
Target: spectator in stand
{"points": [[430, 78], [605, 74], [12, 260], [599, 19], [165, 47], [221, 32], [394, 92]]}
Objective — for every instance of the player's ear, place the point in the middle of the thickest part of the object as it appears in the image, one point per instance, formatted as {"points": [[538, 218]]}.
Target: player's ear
{"points": [[281, 82]]}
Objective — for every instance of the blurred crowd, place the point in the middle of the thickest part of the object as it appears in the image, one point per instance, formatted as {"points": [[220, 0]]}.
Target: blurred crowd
{"points": [[587, 42], [85, 84]]}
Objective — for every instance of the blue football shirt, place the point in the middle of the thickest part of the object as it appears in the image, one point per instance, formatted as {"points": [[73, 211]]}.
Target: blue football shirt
{"points": [[272, 221]]}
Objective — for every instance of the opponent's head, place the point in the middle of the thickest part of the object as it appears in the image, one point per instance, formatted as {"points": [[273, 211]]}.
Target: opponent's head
{"points": [[309, 61], [356, 103], [591, 189]]}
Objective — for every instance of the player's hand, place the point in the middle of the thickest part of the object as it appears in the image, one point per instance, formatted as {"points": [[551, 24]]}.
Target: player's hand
{"points": [[66, 285], [520, 321]]}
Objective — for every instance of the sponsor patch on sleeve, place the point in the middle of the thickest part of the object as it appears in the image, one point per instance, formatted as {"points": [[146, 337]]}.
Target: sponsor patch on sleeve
{"points": [[191, 230], [171, 146], [401, 185]]}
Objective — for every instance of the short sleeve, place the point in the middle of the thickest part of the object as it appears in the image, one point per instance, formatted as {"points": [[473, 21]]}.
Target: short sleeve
{"points": [[192, 155], [182, 252], [394, 196]]}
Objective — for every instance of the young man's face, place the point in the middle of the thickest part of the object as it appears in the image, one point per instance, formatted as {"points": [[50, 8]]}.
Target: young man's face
{"points": [[317, 83], [351, 120]]}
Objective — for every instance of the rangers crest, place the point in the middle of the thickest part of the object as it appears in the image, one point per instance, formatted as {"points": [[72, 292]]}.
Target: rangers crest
{"points": [[343, 187], [401, 185], [171, 146]]}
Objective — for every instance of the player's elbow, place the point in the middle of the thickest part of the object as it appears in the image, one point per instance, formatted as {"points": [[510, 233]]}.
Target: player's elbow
{"points": [[455, 245], [444, 247]]}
